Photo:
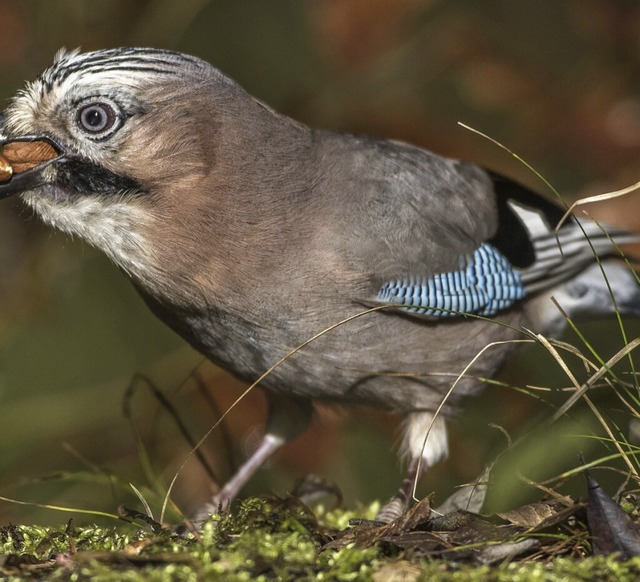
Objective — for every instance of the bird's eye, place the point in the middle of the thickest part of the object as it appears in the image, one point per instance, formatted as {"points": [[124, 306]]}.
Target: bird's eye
{"points": [[98, 119]]}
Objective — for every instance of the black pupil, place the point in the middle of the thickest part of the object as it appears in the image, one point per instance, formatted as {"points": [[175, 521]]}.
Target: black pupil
{"points": [[94, 118]]}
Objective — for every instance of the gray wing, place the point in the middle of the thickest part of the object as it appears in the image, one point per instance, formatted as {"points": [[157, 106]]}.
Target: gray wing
{"points": [[399, 210], [441, 237]]}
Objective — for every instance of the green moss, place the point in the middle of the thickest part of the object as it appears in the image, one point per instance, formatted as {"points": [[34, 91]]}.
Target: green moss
{"points": [[263, 540], [45, 541], [603, 569], [338, 519], [260, 540]]}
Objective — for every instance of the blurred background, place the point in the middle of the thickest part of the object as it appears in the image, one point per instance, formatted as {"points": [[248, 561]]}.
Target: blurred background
{"points": [[84, 367]]}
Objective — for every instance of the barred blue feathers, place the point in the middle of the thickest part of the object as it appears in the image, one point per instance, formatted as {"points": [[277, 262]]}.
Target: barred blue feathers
{"points": [[485, 284]]}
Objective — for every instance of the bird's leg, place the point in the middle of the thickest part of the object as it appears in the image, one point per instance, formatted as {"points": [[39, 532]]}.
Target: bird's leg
{"points": [[425, 443], [269, 444], [287, 417], [400, 502]]}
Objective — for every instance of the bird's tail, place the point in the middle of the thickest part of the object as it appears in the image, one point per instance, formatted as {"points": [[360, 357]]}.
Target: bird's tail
{"points": [[599, 290], [562, 255]]}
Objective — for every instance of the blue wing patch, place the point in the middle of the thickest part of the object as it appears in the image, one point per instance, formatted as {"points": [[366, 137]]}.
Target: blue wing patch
{"points": [[485, 284]]}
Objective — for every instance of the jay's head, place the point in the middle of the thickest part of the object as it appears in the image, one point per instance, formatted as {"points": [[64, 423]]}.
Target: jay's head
{"points": [[127, 149]]}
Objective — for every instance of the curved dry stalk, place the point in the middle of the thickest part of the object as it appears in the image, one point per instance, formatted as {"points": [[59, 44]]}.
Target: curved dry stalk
{"points": [[581, 389], [252, 386], [564, 499], [139, 495], [517, 157], [596, 198], [574, 351], [558, 358], [444, 400], [614, 440]]}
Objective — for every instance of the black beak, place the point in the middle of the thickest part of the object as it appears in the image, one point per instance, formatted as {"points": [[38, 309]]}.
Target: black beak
{"points": [[22, 166]]}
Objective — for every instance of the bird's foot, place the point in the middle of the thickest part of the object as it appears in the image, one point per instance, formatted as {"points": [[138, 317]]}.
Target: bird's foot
{"points": [[392, 510], [219, 503]]}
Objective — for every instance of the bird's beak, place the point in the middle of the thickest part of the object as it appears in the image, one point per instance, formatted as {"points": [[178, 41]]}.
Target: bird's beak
{"points": [[23, 161]]}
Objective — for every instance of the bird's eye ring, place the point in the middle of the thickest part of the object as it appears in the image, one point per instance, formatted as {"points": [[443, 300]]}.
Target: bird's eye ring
{"points": [[98, 119]]}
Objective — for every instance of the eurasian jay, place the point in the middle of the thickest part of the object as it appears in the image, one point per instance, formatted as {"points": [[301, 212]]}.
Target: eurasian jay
{"points": [[249, 233]]}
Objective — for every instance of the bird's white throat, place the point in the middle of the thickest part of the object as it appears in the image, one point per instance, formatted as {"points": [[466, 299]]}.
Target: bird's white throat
{"points": [[112, 226]]}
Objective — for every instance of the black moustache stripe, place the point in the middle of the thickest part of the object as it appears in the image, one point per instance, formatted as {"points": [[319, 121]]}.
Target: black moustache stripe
{"points": [[84, 177]]}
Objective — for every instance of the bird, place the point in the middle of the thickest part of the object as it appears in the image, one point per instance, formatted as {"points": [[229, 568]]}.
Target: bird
{"points": [[354, 270]]}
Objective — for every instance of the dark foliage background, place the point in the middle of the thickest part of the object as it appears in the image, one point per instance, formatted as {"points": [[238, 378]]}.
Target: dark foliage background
{"points": [[557, 82]]}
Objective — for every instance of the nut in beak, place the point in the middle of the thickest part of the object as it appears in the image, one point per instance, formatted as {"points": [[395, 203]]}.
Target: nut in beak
{"points": [[6, 170], [19, 156]]}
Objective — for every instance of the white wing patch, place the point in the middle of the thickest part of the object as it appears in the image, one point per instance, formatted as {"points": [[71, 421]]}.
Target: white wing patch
{"points": [[561, 256]]}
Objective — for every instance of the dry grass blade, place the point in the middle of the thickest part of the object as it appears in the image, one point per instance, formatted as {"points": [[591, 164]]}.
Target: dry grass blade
{"points": [[444, 400], [614, 440], [567, 501], [581, 389], [558, 358], [516, 156], [142, 500], [251, 387], [596, 198]]}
